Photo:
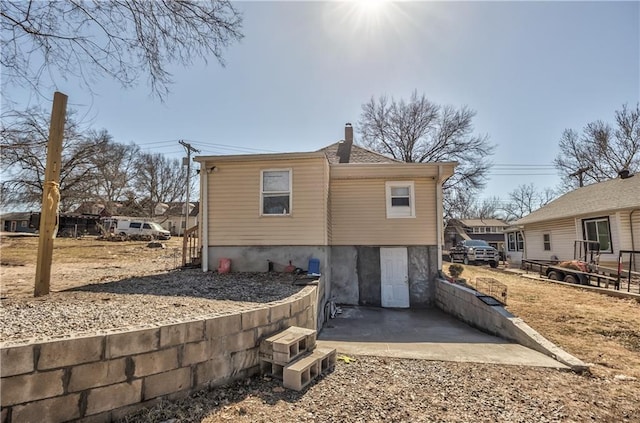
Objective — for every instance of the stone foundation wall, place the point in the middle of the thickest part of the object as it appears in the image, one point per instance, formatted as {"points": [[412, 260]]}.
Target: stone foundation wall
{"points": [[104, 377]]}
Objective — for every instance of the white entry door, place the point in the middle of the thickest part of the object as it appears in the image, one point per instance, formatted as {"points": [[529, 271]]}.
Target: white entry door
{"points": [[394, 277]]}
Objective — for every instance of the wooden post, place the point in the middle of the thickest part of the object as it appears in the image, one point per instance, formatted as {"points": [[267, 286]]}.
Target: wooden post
{"points": [[50, 195]]}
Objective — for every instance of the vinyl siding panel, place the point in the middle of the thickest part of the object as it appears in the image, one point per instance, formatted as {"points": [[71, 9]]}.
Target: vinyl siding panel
{"points": [[628, 223], [563, 234], [234, 204], [359, 216]]}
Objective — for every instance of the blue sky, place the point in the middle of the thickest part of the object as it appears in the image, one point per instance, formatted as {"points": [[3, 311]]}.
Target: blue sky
{"points": [[529, 70]]}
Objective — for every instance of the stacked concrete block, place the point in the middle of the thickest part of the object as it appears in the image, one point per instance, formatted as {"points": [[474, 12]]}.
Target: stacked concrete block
{"points": [[103, 377], [291, 355]]}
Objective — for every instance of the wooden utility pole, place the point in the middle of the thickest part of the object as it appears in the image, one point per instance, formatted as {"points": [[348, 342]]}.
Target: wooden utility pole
{"points": [[50, 195], [189, 149]]}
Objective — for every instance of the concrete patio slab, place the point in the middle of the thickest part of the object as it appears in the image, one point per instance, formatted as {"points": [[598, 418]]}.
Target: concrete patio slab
{"points": [[428, 334]]}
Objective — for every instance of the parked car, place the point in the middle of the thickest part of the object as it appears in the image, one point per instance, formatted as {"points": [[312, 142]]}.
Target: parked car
{"points": [[140, 228], [474, 251]]}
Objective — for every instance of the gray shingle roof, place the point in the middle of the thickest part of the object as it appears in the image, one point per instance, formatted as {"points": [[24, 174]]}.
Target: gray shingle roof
{"points": [[358, 155], [482, 222], [611, 195]]}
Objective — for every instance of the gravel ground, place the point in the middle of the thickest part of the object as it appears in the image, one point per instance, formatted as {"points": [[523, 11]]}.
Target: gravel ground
{"points": [[146, 301], [128, 291], [395, 390]]}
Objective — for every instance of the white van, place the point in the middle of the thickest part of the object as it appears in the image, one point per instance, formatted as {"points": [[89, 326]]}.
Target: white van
{"points": [[138, 227]]}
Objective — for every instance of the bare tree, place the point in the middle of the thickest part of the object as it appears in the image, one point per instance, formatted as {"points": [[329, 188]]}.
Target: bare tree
{"points": [[600, 151], [23, 159], [159, 180], [526, 199], [120, 39], [115, 169], [422, 131]]}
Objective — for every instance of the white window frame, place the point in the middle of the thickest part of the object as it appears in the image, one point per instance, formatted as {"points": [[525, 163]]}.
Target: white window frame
{"points": [[289, 192], [515, 241], [401, 212], [511, 242], [596, 220]]}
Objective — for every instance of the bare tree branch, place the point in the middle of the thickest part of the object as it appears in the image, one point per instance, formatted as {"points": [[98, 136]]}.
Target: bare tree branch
{"points": [[600, 151], [422, 131], [120, 39]]}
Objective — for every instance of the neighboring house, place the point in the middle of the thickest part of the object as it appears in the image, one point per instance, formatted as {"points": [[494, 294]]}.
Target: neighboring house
{"points": [[174, 215], [607, 212], [372, 221], [17, 222], [490, 230]]}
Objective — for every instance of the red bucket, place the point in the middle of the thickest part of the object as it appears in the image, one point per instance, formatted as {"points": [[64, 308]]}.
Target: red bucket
{"points": [[224, 265]]}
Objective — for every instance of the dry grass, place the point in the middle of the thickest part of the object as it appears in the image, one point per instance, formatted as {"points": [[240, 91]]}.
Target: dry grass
{"points": [[23, 251], [599, 329]]}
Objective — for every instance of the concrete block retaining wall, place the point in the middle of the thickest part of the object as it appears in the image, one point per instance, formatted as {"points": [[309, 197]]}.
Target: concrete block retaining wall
{"points": [[463, 303], [104, 377]]}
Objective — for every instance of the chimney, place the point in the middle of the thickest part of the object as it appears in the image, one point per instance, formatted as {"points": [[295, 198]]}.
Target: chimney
{"points": [[624, 174], [344, 148]]}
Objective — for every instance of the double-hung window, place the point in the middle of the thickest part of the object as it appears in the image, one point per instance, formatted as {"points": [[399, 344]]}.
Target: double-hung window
{"points": [[546, 241], [400, 199], [515, 241], [598, 230], [275, 192]]}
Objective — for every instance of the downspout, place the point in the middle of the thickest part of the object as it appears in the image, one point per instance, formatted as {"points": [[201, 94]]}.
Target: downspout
{"points": [[204, 216], [439, 217]]}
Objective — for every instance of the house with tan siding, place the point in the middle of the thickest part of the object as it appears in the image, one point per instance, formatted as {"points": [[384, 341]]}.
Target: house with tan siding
{"points": [[607, 212], [374, 223]]}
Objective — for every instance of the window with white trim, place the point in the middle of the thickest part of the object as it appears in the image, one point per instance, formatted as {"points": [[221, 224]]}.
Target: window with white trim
{"points": [[546, 242], [275, 192], [598, 230], [515, 241], [400, 199]]}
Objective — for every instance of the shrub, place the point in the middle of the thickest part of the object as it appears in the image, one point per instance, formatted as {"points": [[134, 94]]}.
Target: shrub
{"points": [[455, 270]]}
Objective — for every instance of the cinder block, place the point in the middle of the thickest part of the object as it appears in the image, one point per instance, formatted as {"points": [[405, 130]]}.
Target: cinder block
{"points": [[31, 387], [240, 341], [181, 333], [16, 360], [97, 374], [223, 325], [245, 359], [279, 312], [130, 343], [216, 369], [297, 306], [69, 352], [166, 383], [172, 335], [113, 396], [266, 331], [287, 345], [271, 369], [255, 318], [155, 362], [300, 373], [54, 410], [196, 352]]}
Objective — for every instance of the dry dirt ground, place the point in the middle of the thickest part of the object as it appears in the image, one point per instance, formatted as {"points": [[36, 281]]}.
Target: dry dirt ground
{"points": [[600, 330]]}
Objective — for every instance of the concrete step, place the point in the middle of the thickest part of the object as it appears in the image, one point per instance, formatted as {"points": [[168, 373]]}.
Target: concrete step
{"points": [[300, 373], [288, 345]]}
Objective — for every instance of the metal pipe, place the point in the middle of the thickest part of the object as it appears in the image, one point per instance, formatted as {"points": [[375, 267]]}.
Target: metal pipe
{"points": [[633, 245]]}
